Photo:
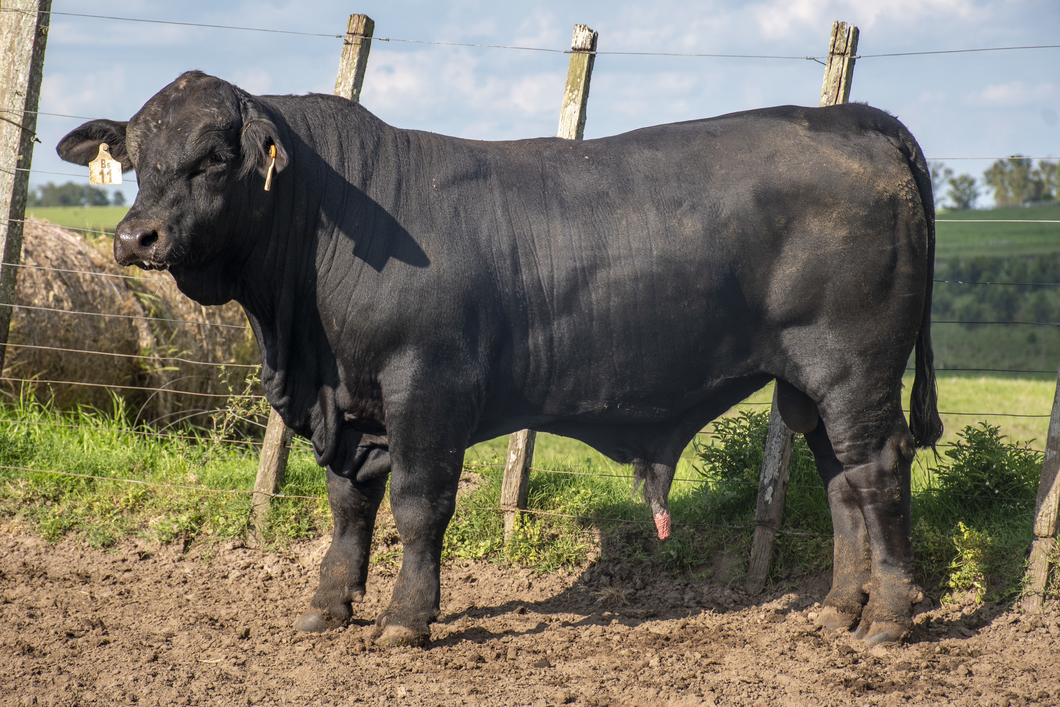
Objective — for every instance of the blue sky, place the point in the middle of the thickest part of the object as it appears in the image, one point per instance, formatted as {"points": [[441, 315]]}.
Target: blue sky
{"points": [[959, 105]]}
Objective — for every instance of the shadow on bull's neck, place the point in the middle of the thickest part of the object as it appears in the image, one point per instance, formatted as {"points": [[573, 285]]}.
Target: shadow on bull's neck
{"points": [[377, 236]]}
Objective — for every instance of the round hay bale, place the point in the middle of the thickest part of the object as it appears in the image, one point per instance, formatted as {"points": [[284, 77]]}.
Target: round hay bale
{"points": [[85, 330]]}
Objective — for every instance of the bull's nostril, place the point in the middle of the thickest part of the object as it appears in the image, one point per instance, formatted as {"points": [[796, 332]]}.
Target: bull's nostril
{"points": [[137, 239], [134, 244]]}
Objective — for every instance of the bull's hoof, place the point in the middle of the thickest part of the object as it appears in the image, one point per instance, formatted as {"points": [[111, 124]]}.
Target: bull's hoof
{"points": [[879, 632], [313, 622], [831, 617], [393, 636]]}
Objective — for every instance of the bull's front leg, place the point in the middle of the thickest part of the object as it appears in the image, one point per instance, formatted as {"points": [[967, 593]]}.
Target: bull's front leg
{"points": [[354, 500], [427, 454]]}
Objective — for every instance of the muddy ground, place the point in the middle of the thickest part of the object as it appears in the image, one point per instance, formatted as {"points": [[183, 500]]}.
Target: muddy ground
{"points": [[150, 625]]}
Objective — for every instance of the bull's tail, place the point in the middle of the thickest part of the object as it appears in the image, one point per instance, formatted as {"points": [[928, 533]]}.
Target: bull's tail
{"points": [[924, 420]]}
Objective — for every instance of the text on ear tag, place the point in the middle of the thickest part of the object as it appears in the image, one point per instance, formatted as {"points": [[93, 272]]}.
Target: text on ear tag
{"points": [[104, 169], [272, 166]]}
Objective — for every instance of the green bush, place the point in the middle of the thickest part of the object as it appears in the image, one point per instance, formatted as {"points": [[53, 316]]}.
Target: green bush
{"points": [[986, 472], [732, 464], [972, 529]]}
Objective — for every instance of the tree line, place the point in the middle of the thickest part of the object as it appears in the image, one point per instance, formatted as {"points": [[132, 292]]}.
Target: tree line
{"points": [[71, 194], [1016, 181], [1035, 299]]}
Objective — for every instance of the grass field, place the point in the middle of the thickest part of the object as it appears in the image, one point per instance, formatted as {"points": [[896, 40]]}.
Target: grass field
{"points": [[92, 219], [958, 233], [182, 492]]}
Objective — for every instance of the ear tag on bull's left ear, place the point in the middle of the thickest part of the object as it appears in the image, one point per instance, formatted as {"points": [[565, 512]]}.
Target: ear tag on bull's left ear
{"points": [[104, 169], [272, 167]]}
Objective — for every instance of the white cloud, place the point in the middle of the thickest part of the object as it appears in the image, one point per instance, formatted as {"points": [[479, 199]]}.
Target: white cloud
{"points": [[1014, 93], [787, 19], [253, 80], [540, 30], [101, 93], [930, 97]]}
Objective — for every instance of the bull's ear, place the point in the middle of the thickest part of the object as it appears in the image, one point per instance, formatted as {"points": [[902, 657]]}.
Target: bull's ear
{"points": [[258, 138], [82, 145]]}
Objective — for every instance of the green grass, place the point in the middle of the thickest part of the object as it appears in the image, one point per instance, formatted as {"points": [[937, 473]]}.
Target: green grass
{"points": [[180, 488], [968, 240], [93, 219], [589, 512]]}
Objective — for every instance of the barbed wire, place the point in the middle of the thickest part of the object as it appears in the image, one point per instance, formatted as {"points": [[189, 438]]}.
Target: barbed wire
{"points": [[995, 221], [984, 323], [125, 316], [137, 431], [501, 509], [143, 357], [155, 484], [331, 35], [1013, 284], [38, 381]]}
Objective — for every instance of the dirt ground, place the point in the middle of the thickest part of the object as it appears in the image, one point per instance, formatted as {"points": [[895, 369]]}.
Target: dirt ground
{"points": [[149, 625]]}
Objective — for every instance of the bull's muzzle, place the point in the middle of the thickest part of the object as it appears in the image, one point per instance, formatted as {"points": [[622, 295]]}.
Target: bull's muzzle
{"points": [[136, 245]]}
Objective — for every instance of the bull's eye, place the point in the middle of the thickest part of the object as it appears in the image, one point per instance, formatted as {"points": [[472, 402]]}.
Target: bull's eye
{"points": [[217, 159]]}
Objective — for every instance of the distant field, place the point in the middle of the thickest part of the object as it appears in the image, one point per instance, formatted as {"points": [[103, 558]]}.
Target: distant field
{"points": [[94, 219], [970, 239]]}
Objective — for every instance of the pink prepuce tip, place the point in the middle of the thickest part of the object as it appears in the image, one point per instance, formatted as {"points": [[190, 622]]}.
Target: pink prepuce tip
{"points": [[662, 524]]}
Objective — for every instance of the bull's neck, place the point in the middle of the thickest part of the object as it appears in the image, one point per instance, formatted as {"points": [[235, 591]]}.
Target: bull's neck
{"points": [[322, 237]]}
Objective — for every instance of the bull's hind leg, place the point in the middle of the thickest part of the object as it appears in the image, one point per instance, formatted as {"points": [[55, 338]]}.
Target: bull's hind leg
{"points": [[869, 493], [851, 558], [354, 500]]}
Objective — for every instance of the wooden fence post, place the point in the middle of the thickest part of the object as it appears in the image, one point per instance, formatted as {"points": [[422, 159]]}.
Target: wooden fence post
{"points": [[354, 59], [272, 465], [571, 127], [272, 468], [776, 462], [1046, 512], [838, 72], [576, 91], [23, 38]]}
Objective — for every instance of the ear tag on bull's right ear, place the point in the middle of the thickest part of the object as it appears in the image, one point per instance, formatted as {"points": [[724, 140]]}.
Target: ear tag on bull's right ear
{"points": [[104, 169], [272, 167]]}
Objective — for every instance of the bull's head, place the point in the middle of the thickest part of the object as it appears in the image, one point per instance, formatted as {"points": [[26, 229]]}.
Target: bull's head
{"points": [[191, 145]]}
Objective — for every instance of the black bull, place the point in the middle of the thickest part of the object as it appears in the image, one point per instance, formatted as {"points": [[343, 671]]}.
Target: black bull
{"points": [[622, 291]]}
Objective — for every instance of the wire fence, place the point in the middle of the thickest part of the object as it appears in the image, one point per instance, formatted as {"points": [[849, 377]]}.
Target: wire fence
{"points": [[157, 283]]}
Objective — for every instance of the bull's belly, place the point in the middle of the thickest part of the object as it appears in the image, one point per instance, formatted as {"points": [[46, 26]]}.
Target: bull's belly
{"points": [[625, 429]]}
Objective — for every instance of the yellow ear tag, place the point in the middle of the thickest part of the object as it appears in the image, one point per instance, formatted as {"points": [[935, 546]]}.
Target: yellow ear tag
{"points": [[104, 169], [272, 166]]}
